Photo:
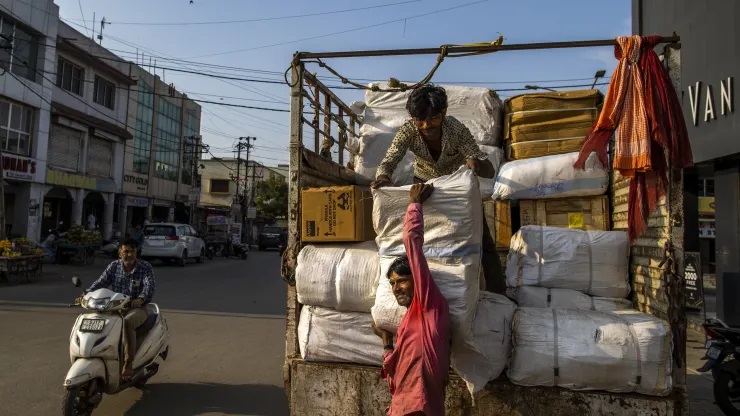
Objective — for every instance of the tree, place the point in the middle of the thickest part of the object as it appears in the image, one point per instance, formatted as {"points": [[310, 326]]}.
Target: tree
{"points": [[271, 198]]}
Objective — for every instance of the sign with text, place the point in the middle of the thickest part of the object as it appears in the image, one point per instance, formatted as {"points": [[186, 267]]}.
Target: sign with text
{"points": [[73, 180], [134, 183], [18, 167], [693, 279], [133, 201]]}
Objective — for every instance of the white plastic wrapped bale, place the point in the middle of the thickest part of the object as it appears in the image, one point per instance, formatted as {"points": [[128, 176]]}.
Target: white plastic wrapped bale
{"points": [[550, 177], [328, 335], [496, 157], [456, 278], [486, 357], [452, 221], [592, 262], [622, 351], [542, 297], [341, 277], [373, 145], [480, 109]]}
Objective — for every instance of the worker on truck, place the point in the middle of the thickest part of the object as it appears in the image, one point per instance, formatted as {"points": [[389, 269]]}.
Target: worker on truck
{"points": [[417, 366], [441, 144]]}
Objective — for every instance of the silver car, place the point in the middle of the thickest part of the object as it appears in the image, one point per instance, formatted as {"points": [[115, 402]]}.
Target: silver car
{"points": [[170, 241]]}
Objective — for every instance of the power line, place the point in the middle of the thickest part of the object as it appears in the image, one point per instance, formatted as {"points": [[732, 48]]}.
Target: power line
{"points": [[341, 32], [264, 19]]}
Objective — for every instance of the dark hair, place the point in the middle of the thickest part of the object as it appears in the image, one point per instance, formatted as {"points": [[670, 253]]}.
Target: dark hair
{"points": [[130, 242], [400, 266], [426, 101]]}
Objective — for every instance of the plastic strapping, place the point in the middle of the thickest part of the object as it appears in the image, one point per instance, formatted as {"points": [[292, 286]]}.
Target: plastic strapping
{"points": [[593, 304], [540, 256], [590, 264], [556, 367], [638, 354]]}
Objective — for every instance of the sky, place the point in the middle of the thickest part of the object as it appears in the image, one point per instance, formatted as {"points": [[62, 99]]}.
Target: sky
{"points": [[257, 39]]}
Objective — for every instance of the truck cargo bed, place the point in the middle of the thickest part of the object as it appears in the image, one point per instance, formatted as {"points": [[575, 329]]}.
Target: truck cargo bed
{"points": [[336, 389]]}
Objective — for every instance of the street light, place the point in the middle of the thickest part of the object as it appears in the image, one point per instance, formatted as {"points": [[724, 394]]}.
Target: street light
{"points": [[537, 87], [599, 74]]}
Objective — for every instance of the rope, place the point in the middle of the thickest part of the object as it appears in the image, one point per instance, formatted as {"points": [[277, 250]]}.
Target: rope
{"points": [[394, 84]]}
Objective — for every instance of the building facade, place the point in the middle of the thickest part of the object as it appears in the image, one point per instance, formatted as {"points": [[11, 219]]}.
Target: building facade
{"points": [[84, 172], [29, 33], [709, 62], [160, 165]]}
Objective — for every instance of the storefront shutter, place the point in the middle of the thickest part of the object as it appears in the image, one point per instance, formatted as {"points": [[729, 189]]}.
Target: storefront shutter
{"points": [[64, 147], [100, 157]]}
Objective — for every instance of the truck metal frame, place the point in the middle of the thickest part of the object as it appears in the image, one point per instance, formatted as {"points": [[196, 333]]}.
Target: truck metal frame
{"points": [[656, 267]]}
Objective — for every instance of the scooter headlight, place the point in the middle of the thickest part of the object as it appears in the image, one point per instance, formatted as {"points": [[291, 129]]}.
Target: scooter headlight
{"points": [[98, 304]]}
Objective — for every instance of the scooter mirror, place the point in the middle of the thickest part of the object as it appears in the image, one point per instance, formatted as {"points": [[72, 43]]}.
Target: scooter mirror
{"points": [[76, 281]]}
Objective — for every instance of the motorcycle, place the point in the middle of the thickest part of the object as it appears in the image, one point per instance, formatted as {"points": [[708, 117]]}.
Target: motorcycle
{"points": [[723, 360], [96, 350]]}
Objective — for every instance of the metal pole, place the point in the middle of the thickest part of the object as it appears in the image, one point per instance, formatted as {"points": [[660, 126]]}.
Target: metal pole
{"points": [[3, 235], [451, 50]]}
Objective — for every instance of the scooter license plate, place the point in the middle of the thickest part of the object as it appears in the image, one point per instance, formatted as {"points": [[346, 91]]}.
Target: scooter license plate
{"points": [[92, 325], [714, 352]]}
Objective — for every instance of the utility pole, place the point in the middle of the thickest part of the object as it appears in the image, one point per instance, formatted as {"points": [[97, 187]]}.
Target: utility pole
{"points": [[246, 143]]}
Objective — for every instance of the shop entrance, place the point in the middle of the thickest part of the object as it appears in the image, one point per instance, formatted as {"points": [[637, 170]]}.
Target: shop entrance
{"points": [[57, 210], [93, 208]]}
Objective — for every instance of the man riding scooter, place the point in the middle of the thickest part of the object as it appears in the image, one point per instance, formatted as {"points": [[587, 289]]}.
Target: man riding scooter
{"points": [[135, 278]]}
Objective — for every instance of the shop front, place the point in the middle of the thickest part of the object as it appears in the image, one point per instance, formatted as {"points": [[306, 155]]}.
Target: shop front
{"points": [[708, 72], [79, 200], [21, 195]]}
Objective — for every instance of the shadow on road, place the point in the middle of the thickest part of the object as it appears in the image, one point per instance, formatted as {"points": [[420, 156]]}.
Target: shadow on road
{"points": [[195, 399]]}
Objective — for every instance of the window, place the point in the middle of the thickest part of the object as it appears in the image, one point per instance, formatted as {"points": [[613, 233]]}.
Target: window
{"points": [[70, 76], [219, 186], [190, 152], [65, 146], [105, 93], [99, 157], [143, 133], [15, 127], [159, 230], [167, 145], [22, 60]]}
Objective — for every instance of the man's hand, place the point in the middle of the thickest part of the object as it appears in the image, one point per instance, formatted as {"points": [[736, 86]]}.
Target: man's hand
{"points": [[78, 300], [137, 303], [420, 192], [473, 164], [386, 336], [381, 181]]}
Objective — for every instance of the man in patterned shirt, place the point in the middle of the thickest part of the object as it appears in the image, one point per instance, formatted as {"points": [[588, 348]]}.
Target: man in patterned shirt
{"points": [[134, 278], [441, 144]]}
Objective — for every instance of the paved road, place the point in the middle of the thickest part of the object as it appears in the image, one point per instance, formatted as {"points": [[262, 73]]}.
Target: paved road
{"points": [[227, 323]]}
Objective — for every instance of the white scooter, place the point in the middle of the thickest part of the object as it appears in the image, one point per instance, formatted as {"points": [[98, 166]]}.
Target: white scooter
{"points": [[96, 350]]}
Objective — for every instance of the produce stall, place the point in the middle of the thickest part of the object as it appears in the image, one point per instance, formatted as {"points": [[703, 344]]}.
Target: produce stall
{"points": [[79, 247], [20, 261]]}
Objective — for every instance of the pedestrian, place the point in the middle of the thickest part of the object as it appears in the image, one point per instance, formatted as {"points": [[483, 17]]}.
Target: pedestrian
{"points": [[441, 144], [417, 366], [91, 221]]}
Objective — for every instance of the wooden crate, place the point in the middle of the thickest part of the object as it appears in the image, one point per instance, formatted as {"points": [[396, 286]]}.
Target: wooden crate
{"points": [[498, 217], [590, 213]]}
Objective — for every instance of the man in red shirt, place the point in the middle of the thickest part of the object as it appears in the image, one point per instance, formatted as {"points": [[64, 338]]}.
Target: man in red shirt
{"points": [[417, 366]]}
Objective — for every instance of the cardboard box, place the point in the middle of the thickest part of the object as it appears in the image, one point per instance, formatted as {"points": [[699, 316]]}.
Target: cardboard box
{"points": [[591, 213], [498, 217], [336, 214]]}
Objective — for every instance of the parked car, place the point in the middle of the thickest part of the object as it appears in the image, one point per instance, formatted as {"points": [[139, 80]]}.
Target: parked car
{"points": [[170, 241], [270, 237]]}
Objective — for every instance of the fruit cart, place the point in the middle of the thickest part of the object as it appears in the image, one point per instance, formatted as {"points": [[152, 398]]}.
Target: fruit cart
{"points": [[79, 247], [20, 261]]}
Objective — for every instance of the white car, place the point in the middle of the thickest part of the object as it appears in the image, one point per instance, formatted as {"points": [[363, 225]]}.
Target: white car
{"points": [[170, 241]]}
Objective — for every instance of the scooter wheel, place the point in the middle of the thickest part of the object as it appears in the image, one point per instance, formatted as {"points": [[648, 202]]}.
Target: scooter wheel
{"points": [[724, 392], [74, 403]]}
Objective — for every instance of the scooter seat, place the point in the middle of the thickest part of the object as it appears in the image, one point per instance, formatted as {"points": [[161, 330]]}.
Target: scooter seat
{"points": [[147, 326]]}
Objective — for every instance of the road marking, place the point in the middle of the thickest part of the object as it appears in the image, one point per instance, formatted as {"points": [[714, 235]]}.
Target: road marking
{"points": [[166, 311]]}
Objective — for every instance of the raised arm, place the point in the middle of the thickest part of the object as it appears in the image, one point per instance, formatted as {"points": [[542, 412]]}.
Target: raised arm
{"points": [[413, 241], [477, 160]]}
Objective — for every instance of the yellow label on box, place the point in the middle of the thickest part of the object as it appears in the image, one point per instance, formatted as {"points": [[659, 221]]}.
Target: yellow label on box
{"points": [[575, 220], [337, 213]]}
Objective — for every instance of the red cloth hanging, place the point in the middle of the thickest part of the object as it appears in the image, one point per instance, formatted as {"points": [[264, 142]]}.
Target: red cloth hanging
{"points": [[646, 113]]}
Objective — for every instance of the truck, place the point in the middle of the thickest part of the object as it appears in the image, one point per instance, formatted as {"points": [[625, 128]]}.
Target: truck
{"points": [[324, 159]]}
